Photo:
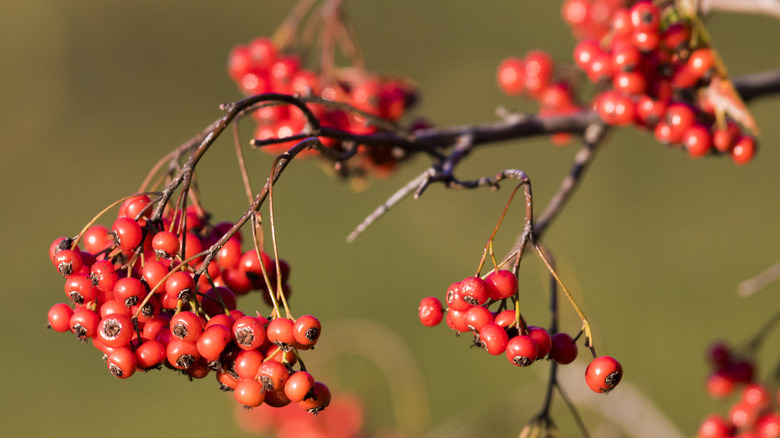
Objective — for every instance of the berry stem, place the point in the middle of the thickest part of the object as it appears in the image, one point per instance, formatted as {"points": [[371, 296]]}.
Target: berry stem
{"points": [[583, 318]]}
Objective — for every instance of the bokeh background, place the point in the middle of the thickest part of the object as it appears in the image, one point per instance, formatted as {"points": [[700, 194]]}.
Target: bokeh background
{"points": [[653, 244]]}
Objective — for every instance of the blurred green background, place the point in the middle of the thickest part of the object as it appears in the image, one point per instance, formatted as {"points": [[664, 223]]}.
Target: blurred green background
{"points": [[653, 244]]}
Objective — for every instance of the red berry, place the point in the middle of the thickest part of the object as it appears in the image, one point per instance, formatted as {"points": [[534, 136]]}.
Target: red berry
{"points": [[59, 317], [563, 349], [298, 386], [701, 62], [280, 332], [247, 363], [319, 400], [129, 291], [542, 339], [306, 331], [477, 317], [273, 375], [474, 291], [501, 284], [645, 16], [213, 341], [511, 76], [715, 426], [430, 311], [186, 326], [122, 363], [744, 149], [697, 140], [165, 244], [615, 108], [603, 374], [67, 261], [127, 233], [521, 351], [180, 285], [115, 330], [83, 323], [493, 338], [150, 354], [249, 333], [249, 393], [538, 67], [182, 354]]}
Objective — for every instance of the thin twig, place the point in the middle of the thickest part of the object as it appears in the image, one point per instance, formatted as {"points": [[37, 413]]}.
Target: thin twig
{"points": [[388, 204]]}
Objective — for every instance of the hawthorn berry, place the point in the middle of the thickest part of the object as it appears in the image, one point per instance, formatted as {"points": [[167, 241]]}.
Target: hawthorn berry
{"points": [[319, 400], [115, 330], [430, 311], [298, 386], [306, 331], [122, 363], [249, 393], [59, 317], [563, 349], [603, 374], [249, 332], [493, 338], [521, 351]]}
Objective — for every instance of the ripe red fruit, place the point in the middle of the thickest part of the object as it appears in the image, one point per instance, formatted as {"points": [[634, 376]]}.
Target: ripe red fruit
{"points": [[603, 374], [615, 108], [563, 349], [127, 233], [280, 332], [59, 317], [538, 68], [122, 363], [474, 291], [430, 311], [298, 386], [83, 323], [501, 284], [511, 76], [249, 393], [273, 375], [319, 400], [248, 363], [701, 62], [493, 338], [477, 317], [697, 140], [456, 320], [454, 298], [743, 150], [715, 426], [542, 339], [165, 244], [115, 330], [213, 341], [249, 332], [129, 291], [306, 331], [181, 354], [180, 285], [67, 261], [521, 351], [186, 326], [150, 354], [720, 384]]}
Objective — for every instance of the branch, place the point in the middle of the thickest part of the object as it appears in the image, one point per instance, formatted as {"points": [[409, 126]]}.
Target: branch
{"points": [[762, 7]]}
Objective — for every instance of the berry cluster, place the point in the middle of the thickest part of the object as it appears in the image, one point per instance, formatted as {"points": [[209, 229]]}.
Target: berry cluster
{"points": [[752, 416], [729, 370], [261, 67], [505, 332], [133, 293], [653, 68]]}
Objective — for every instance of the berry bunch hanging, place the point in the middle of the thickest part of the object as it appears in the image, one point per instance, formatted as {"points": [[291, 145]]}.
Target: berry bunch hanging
{"points": [[653, 67], [349, 99], [504, 329], [134, 294]]}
